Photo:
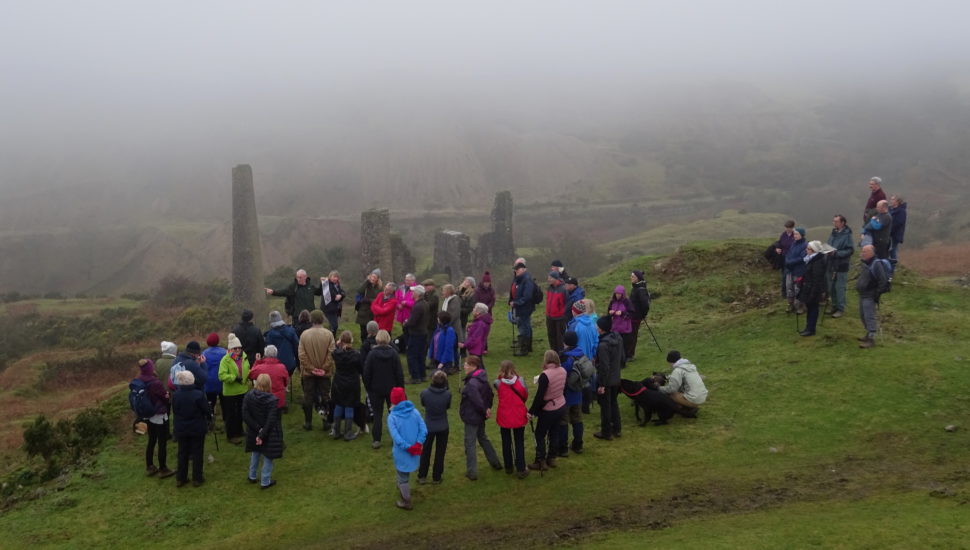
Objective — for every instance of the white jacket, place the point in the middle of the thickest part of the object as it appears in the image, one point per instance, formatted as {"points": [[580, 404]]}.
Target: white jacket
{"points": [[685, 379]]}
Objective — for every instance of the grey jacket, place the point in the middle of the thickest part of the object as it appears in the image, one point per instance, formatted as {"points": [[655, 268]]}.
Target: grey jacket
{"points": [[685, 379], [436, 402], [841, 241]]}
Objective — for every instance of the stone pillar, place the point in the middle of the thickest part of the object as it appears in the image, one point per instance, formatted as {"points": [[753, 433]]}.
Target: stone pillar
{"points": [[375, 243], [453, 255], [496, 248], [402, 259], [247, 257]]}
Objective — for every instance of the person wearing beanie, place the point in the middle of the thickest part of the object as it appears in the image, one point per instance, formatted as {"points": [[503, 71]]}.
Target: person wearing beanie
{"points": [[212, 356], [158, 426], [436, 400], [368, 291], [264, 430], [557, 266], [332, 299], [522, 303], [382, 373], [484, 293], [189, 360], [270, 364], [163, 365], [622, 311], [574, 399], [640, 298], [574, 294], [345, 392], [316, 367], [556, 313], [299, 294], [512, 417], [285, 339], [234, 374], [549, 406], [475, 407], [814, 285], [250, 336], [609, 360], [408, 432], [370, 342], [781, 246], [795, 268], [684, 385]]}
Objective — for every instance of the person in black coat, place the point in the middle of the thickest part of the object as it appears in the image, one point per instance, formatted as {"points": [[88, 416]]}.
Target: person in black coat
{"points": [[191, 413], [264, 432], [332, 299], [382, 372], [250, 336], [814, 284], [640, 298], [345, 391]]}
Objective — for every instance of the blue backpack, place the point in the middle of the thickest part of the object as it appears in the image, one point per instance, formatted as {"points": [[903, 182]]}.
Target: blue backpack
{"points": [[139, 400]]}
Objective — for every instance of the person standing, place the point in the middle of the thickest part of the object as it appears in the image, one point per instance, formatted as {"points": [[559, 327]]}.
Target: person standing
{"points": [[249, 335], [880, 228], [441, 351], [813, 287], [348, 368], [640, 298], [466, 294], [212, 357], [189, 360], [163, 365], [621, 310], [609, 360], [316, 367], [332, 299], [366, 295], [431, 296], [795, 266], [416, 327], [522, 303], [876, 194], [474, 409], [556, 315], [234, 373], [841, 240], [285, 339], [264, 431], [158, 428], [436, 400], [191, 420], [299, 295], [477, 341], [873, 281], [279, 377], [405, 303], [451, 304], [512, 417], [784, 242], [408, 432], [574, 399], [382, 372], [384, 306], [484, 293], [548, 406], [897, 210], [574, 293]]}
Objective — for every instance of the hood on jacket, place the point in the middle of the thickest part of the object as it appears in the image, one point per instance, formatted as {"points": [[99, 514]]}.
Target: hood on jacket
{"points": [[480, 374], [485, 318], [435, 389], [263, 397], [508, 381], [686, 365], [341, 352], [585, 320], [403, 409], [384, 352]]}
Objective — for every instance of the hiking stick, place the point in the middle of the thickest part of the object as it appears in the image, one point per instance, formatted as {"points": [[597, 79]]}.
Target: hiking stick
{"points": [[652, 336], [796, 320], [533, 426], [214, 437]]}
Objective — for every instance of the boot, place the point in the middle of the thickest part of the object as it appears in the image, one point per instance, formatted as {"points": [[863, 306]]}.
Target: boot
{"points": [[539, 465], [867, 343], [351, 432], [405, 502], [337, 431], [523, 348], [307, 417], [551, 461]]}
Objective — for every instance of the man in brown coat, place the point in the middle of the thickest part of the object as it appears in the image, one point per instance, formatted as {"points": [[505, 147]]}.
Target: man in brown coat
{"points": [[316, 368]]}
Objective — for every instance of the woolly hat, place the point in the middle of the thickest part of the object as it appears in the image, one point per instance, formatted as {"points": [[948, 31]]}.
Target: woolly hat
{"points": [[193, 347], [572, 281], [316, 317], [555, 275], [638, 274], [673, 356], [234, 342], [816, 246], [275, 319], [147, 367], [212, 340], [620, 289], [802, 231], [487, 277], [428, 282], [579, 307], [247, 315], [519, 265], [398, 395], [169, 347], [557, 263], [605, 323], [570, 338], [376, 272]]}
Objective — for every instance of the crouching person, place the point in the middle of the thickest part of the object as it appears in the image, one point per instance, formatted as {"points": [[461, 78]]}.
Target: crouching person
{"points": [[408, 432], [192, 415], [684, 385], [264, 433]]}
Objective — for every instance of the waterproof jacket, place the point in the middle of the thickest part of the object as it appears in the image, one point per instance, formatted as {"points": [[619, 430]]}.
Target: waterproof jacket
{"points": [[898, 230], [467, 297], [278, 376], [609, 360], [874, 198], [251, 339], [417, 322], [785, 240], [567, 358], [383, 308], [287, 345], [405, 301], [156, 391], [589, 338], [452, 305], [522, 289], [260, 413], [316, 351], [298, 297], [406, 427], [334, 306], [512, 396], [230, 370], [622, 322], [365, 296], [485, 295], [477, 339], [441, 349], [348, 368], [640, 298], [476, 398], [685, 379], [873, 279], [213, 357], [433, 308], [191, 365], [880, 226], [382, 370], [556, 298], [814, 280], [576, 295], [163, 365], [190, 412], [795, 258], [841, 241], [436, 402], [550, 394]]}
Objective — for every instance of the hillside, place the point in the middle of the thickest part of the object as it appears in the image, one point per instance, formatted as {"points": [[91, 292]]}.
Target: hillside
{"points": [[804, 442]]}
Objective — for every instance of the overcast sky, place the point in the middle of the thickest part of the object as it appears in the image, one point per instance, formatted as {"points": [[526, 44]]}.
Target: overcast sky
{"points": [[119, 75]]}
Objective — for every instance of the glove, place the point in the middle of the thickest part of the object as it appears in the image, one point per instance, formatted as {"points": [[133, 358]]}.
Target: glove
{"points": [[415, 449]]}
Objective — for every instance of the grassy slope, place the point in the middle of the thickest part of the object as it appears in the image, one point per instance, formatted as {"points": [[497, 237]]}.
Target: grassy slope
{"points": [[797, 434]]}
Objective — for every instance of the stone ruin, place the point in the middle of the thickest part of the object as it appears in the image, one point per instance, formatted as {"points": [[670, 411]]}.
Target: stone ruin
{"points": [[452, 254], [247, 256], [379, 247]]}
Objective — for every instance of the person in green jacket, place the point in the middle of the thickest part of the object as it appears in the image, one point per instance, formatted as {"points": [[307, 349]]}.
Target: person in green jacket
{"points": [[234, 375], [841, 240]]}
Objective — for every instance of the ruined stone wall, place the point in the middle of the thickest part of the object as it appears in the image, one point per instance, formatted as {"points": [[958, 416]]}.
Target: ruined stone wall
{"points": [[375, 243], [402, 260], [496, 247], [247, 257], [452, 254]]}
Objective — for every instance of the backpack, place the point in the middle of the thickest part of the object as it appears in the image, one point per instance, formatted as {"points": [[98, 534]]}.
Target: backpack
{"points": [[580, 374], [888, 268], [139, 400], [537, 293], [176, 368]]}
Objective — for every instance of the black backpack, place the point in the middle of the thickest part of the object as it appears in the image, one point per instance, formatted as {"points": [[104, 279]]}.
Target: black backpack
{"points": [[537, 293], [581, 373], [139, 400]]}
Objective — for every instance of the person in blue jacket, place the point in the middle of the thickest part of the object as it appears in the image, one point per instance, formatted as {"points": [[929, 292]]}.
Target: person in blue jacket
{"points": [[521, 301], [408, 432], [794, 266], [441, 350], [897, 209], [212, 356], [284, 337]]}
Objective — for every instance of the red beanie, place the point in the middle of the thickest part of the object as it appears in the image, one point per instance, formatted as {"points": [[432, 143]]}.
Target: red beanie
{"points": [[487, 277], [212, 340], [398, 395]]}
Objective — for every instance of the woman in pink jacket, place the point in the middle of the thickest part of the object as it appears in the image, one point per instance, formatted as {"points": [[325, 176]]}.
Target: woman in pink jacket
{"points": [[512, 417]]}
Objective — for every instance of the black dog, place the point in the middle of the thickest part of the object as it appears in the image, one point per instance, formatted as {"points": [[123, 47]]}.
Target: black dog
{"points": [[647, 397]]}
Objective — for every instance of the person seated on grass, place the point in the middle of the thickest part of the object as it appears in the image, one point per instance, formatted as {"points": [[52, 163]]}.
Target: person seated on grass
{"points": [[408, 432], [684, 385]]}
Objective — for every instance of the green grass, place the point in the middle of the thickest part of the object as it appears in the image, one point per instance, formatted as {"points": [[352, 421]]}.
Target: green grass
{"points": [[809, 442]]}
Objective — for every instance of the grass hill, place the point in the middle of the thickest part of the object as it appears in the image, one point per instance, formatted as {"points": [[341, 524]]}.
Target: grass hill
{"points": [[804, 442]]}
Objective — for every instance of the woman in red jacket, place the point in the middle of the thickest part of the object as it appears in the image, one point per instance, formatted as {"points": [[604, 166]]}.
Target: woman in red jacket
{"points": [[512, 417], [384, 306]]}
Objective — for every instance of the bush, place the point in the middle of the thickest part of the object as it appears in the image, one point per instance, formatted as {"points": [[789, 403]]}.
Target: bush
{"points": [[67, 442], [179, 291]]}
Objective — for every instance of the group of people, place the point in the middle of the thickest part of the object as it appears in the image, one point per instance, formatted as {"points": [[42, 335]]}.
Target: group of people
{"points": [[814, 272], [440, 336]]}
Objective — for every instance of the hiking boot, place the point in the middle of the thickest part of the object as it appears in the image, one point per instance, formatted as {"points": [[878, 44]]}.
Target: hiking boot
{"points": [[151, 470], [496, 466], [837, 313], [404, 504], [867, 343], [351, 432], [471, 476], [197, 482], [165, 472], [564, 453], [689, 412], [523, 474], [271, 483], [604, 437], [375, 445], [509, 470], [539, 465], [863, 339], [551, 461], [422, 480], [180, 484], [337, 432], [307, 426], [577, 449], [807, 333]]}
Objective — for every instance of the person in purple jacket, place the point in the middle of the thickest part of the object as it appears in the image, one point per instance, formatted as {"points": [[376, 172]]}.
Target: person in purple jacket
{"points": [[621, 310], [476, 340], [158, 426]]}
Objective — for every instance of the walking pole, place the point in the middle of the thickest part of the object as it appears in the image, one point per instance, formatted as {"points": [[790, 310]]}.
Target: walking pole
{"points": [[214, 438], [652, 336], [533, 426], [796, 320]]}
